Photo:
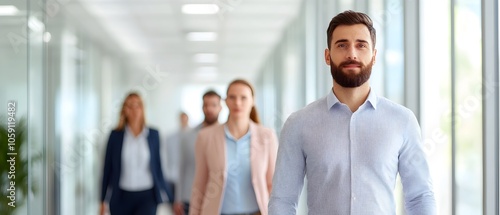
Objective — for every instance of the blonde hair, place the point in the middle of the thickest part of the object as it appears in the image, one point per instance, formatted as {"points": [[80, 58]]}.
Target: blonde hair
{"points": [[254, 116], [123, 121]]}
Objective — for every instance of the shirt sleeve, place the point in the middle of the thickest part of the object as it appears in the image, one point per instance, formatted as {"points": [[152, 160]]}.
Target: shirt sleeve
{"points": [[290, 171], [414, 172]]}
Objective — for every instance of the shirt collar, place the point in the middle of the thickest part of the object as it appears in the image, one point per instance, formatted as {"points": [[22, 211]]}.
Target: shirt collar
{"points": [[228, 134], [331, 99], [144, 133], [372, 98]]}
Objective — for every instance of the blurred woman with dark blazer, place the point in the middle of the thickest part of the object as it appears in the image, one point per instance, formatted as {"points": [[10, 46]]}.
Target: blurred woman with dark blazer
{"points": [[234, 161], [132, 173]]}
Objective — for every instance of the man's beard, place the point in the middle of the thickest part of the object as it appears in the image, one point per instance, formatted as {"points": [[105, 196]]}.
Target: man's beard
{"points": [[211, 120], [347, 79]]}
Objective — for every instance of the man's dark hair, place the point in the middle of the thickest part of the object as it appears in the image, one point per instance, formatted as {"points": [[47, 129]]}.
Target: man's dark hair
{"points": [[350, 17], [211, 93]]}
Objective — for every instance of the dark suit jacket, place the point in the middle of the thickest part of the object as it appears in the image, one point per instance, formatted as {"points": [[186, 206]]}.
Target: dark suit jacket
{"points": [[112, 166]]}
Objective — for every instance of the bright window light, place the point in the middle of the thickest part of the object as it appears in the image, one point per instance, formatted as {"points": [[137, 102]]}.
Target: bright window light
{"points": [[8, 10], [202, 36], [200, 8], [206, 58]]}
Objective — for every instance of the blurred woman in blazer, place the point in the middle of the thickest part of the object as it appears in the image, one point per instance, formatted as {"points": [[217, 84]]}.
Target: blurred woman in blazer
{"points": [[132, 170], [234, 161]]}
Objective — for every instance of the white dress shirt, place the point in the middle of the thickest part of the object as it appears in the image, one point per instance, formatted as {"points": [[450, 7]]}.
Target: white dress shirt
{"points": [[136, 170]]}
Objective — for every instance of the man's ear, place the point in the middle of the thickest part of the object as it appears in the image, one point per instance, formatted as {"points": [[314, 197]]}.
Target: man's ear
{"points": [[327, 57], [374, 56]]}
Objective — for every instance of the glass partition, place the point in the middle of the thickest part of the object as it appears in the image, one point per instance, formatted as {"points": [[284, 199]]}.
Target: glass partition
{"points": [[467, 115], [22, 107], [38, 36]]}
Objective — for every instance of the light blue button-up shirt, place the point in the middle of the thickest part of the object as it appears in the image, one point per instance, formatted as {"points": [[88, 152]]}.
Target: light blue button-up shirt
{"points": [[351, 160], [239, 195]]}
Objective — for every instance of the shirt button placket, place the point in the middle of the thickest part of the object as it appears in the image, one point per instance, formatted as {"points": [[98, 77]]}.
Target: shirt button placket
{"points": [[352, 157]]}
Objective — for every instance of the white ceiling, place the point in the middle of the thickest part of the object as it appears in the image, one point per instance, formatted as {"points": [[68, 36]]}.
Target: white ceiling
{"points": [[153, 32]]}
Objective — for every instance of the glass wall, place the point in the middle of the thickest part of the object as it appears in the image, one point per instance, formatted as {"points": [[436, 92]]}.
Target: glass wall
{"points": [[65, 87], [452, 94], [436, 97], [37, 200], [21, 113], [14, 105], [467, 106], [84, 91]]}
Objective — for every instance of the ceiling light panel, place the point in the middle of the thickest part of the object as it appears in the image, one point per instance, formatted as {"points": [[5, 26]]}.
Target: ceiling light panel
{"points": [[201, 36], [206, 58], [200, 9], [8, 10]]}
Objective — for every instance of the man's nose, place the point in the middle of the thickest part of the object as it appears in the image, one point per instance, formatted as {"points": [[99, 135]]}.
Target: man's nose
{"points": [[351, 53]]}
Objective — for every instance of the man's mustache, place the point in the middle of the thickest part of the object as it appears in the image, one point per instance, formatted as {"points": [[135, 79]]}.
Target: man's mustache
{"points": [[343, 64]]}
